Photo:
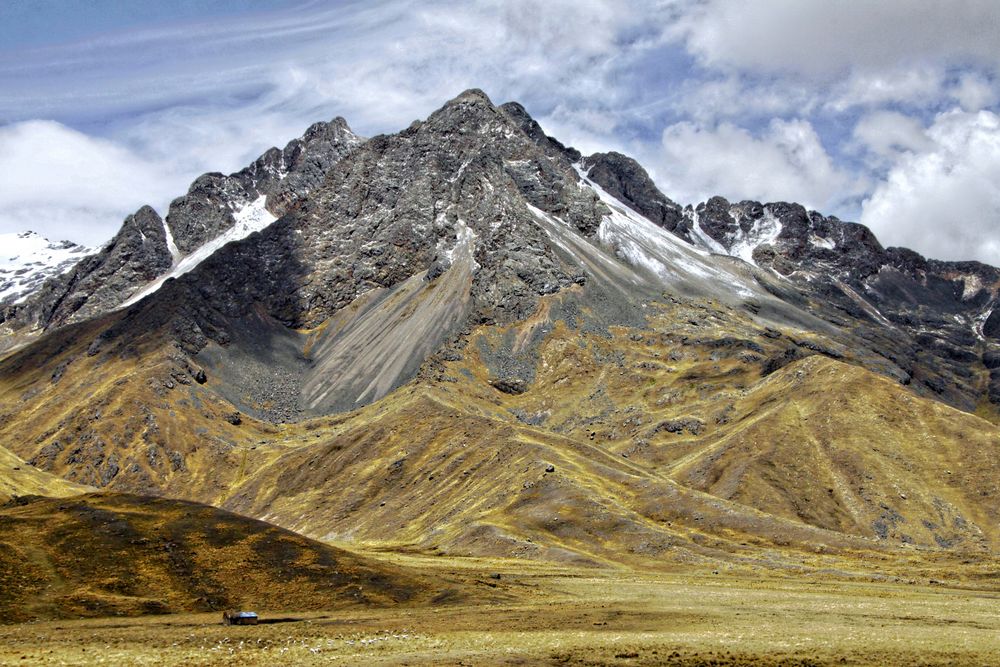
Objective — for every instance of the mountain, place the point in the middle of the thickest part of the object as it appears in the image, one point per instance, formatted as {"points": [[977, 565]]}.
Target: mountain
{"points": [[29, 259], [932, 321], [469, 338]]}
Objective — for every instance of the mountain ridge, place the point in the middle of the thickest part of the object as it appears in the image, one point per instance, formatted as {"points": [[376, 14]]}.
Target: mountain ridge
{"points": [[857, 279], [466, 337]]}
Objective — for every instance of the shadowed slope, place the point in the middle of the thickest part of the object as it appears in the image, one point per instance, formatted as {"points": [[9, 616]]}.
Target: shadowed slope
{"points": [[129, 415]]}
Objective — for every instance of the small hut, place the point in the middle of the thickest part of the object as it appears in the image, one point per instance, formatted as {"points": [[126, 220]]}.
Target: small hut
{"points": [[239, 618]]}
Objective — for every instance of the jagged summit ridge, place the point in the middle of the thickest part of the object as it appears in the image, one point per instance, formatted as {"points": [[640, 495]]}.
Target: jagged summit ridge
{"points": [[148, 248]]}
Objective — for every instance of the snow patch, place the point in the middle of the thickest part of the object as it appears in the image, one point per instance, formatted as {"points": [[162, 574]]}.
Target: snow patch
{"points": [[980, 321], [464, 247], [641, 243], [27, 259], [252, 217], [702, 237], [821, 242], [763, 232], [175, 253], [971, 286]]}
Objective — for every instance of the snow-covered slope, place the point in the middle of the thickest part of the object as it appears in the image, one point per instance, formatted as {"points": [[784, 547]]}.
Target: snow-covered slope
{"points": [[251, 218], [638, 242], [27, 259]]}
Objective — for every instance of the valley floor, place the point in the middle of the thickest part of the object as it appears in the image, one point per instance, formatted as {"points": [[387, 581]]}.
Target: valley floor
{"points": [[557, 616]]}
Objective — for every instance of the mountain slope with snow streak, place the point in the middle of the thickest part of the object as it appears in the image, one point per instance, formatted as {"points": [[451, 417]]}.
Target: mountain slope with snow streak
{"points": [[252, 217]]}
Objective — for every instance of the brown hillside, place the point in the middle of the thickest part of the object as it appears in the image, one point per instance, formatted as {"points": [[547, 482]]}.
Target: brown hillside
{"points": [[836, 447], [100, 554], [125, 416], [676, 440]]}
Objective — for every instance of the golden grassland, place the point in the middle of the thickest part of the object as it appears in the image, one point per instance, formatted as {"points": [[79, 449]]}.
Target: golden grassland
{"points": [[559, 615], [20, 478], [648, 448]]}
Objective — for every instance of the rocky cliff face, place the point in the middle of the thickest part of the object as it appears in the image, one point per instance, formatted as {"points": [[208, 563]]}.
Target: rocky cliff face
{"points": [[930, 320], [626, 180], [934, 312], [283, 176], [96, 285]]}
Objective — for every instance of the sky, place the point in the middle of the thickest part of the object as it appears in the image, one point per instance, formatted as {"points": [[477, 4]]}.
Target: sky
{"points": [[885, 113]]}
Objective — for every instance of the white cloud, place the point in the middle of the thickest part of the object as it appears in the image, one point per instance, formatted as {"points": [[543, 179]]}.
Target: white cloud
{"points": [[828, 38], [785, 163], [887, 134], [383, 63], [729, 97], [974, 92], [943, 200], [62, 183], [913, 85]]}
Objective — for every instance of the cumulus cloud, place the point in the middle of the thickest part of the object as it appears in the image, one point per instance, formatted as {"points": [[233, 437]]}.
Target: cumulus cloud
{"points": [[974, 92], [943, 198], [787, 162], [733, 97], [57, 180], [915, 85]]}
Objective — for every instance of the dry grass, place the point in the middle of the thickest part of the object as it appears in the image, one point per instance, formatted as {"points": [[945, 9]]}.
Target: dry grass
{"points": [[561, 616], [819, 465], [120, 555], [18, 478]]}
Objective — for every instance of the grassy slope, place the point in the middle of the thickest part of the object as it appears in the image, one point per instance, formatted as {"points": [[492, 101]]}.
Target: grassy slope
{"points": [[667, 446], [114, 554], [834, 446], [458, 466], [18, 478], [130, 418]]}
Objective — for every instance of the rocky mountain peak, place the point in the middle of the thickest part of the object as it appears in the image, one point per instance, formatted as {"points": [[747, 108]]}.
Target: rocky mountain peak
{"points": [[534, 131], [626, 180], [217, 208], [472, 97]]}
